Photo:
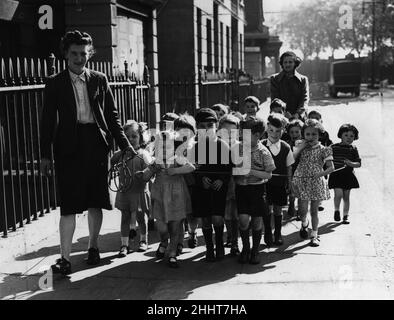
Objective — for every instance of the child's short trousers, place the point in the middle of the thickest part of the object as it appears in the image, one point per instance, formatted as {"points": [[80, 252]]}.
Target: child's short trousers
{"points": [[251, 200], [276, 195]]}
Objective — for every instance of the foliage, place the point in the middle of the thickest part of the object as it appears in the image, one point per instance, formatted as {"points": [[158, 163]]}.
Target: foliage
{"points": [[313, 26]]}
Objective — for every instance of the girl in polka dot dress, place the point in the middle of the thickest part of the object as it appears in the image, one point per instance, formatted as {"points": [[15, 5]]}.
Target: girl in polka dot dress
{"points": [[309, 184]]}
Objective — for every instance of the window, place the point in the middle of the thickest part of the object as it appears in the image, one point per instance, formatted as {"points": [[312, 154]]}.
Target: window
{"points": [[228, 48], [199, 39], [221, 53], [209, 45], [216, 36]]}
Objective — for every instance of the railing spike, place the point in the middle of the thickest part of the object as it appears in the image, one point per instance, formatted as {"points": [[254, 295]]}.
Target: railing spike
{"points": [[18, 79], [26, 72], [32, 71], [39, 71], [3, 71], [45, 71], [11, 72]]}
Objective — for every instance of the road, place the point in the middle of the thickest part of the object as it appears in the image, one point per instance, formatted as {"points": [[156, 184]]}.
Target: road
{"points": [[353, 262]]}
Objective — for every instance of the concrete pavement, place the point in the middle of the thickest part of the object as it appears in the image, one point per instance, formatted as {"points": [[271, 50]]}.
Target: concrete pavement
{"points": [[345, 266], [349, 264]]}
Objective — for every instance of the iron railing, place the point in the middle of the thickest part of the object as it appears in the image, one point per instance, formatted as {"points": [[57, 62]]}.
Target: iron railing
{"points": [[180, 95], [25, 194]]}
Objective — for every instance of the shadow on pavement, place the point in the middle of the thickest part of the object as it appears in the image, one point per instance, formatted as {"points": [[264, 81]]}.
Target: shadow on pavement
{"points": [[145, 277]]}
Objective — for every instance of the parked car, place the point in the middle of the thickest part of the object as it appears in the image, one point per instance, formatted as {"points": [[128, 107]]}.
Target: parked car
{"points": [[345, 76]]}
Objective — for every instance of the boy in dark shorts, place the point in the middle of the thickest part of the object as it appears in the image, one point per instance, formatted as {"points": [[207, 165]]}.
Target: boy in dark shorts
{"points": [[250, 192], [208, 194], [278, 186]]}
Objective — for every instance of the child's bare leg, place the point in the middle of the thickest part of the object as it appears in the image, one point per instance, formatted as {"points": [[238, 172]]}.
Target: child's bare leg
{"points": [[125, 227], [338, 195], [315, 217], [346, 202], [244, 232], [142, 220], [162, 228], [303, 211]]}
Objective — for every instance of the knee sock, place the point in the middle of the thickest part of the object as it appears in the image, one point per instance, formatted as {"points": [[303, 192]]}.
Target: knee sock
{"points": [[267, 224], [278, 225], [208, 238], [256, 235], [234, 233], [245, 239], [219, 236]]}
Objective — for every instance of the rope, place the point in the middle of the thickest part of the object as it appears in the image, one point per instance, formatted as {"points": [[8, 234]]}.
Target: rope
{"points": [[117, 171], [274, 174]]}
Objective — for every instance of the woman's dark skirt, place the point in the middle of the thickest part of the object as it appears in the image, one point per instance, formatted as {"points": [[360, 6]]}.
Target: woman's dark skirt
{"points": [[82, 176]]}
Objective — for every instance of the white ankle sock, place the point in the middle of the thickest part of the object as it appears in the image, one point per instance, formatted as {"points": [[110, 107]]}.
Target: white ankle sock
{"points": [[314, 234]]}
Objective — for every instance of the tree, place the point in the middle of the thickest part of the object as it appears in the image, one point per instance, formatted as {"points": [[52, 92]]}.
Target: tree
{"points": [[313, 26]]}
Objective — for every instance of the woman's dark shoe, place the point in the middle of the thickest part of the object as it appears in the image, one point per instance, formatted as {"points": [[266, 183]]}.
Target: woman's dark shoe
{"points": [[304, 231], [123, 252], [179, 249], [173, 262], [160, 252], [254, 257], [244, 256], [62, 266], [93, 257], [337, 215], [345, 220]]}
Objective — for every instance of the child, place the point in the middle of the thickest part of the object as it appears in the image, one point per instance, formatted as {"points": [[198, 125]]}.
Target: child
{"points": [[185, 126], [220, 109], [278, 186], [278, 106], [212, 156], [134, 202], [170, 195], [342, 181], [250, 191], [324, 137], [308, 180], [228, 131], [294, 129], [251, 106]]}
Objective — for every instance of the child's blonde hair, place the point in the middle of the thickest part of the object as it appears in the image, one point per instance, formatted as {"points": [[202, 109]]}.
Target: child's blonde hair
{"points": [[141, 128], [312, 123]]}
